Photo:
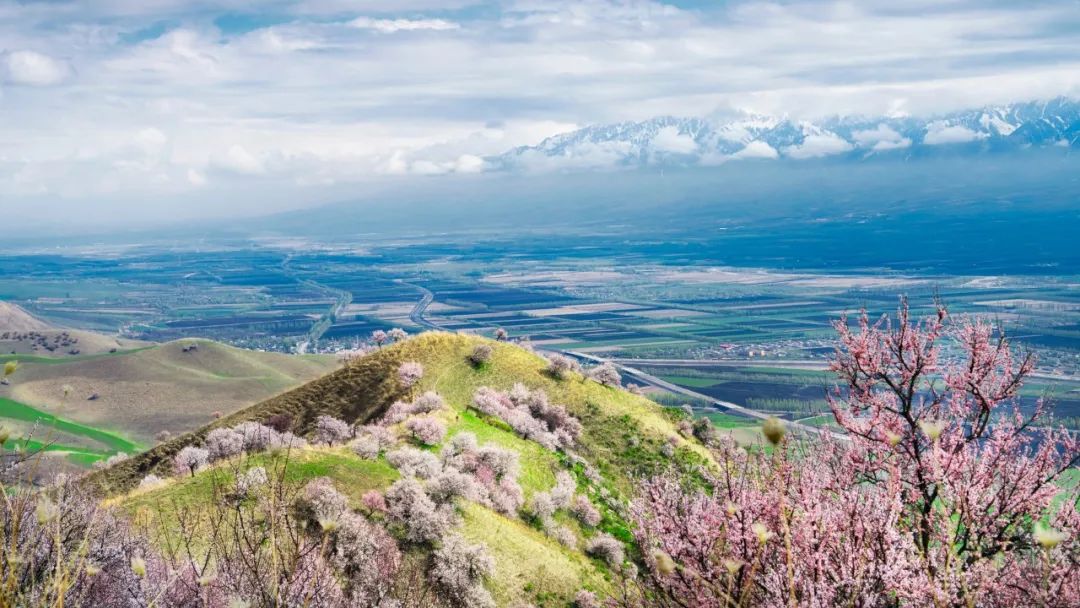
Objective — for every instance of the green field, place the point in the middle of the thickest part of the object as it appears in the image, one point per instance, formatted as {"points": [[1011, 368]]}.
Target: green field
{"points": [[113, 442]]}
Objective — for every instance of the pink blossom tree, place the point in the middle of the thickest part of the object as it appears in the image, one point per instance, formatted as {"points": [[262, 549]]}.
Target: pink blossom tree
{"points": [[190, 460], [330, 430], [409, 373], [930, 499]]}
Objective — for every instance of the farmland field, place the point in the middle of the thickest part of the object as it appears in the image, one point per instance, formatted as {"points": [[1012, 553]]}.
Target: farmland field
{"points": [[571, 293]]}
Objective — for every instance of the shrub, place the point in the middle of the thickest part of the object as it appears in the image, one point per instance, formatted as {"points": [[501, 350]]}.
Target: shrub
{"points": [[608, 548], [379, 337], [256, 436], [429, 402], [398, 411], [530, 415], [542, 506], [426, 430], [501, 334], [330, 430], [458, 571], [450, 484], [163, 436], [251, 480], [321, 502], [223, 443], [368, 558], [562, 534], [372, 440], [606, 374], [409, 373], [281, 423], [560, 366], [585, 512], [420, 518], [366, 447], [481, 354], [586, 599], [190, 459], [411, 462], [373, 501]]}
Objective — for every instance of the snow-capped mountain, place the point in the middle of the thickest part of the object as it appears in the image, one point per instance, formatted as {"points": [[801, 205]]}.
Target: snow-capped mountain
{"points": [[703, 141]]}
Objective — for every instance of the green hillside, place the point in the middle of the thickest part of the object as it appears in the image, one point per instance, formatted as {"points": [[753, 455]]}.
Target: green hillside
{"points": [[621, 438]]}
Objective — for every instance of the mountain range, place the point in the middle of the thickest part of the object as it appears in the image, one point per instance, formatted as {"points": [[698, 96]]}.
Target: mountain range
{"points": [[669, 140]]}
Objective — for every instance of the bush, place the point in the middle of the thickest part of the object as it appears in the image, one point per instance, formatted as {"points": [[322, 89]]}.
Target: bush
{"points": [[422, 521], [411, 462], [608, 548], [366, 447], [458, 570], [585, 512], [560, 366], [190, 460], [223, 443], [481, 354], [373, 502], [426, 430], [427, 403], [330, 430], [409, 373], [606, 374], [367, 557], [250, 480], [586, 599], [321, 502], [281, 423]]}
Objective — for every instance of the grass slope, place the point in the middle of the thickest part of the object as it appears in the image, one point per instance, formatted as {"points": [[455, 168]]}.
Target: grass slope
{"points": [[161, 388], [621, 438]]}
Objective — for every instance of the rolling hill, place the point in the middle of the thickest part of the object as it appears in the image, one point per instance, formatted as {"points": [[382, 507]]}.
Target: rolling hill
{"points": [[622, 437], [23, 334]]}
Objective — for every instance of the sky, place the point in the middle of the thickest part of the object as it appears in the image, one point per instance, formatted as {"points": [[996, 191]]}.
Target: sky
{"points": [[129, 109]]}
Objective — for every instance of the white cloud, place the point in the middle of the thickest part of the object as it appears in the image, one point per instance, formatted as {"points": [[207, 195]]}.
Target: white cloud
{"points": [[389, 26], [756, 149], [668, 139], [938, 133], [196, 178], [322, 97], [583, 156], [34, 69], [818, 145], [880, 139], [238, 160]]}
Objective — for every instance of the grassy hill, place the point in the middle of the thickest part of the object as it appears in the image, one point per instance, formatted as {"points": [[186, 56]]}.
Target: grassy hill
{"points": [[621, 438], [131, 396], [23, 334]]}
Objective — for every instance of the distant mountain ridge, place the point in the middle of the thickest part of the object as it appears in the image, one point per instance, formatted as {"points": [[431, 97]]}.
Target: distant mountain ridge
{"points": [[669, 140]]}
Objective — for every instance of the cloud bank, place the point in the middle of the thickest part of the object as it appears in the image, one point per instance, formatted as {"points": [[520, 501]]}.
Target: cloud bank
{"points": [[118, 104]]}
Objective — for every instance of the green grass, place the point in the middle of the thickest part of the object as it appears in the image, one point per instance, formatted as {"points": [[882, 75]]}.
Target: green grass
{"points": [[537, 464], [76, 454], [19, 411], [690, 382], [528, 564], [730, 421]]}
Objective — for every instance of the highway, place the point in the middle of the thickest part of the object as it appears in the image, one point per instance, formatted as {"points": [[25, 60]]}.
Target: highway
{"points": [[725, 405], [417, 317]]}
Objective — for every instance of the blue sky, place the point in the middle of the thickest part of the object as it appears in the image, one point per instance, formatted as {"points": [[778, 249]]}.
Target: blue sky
{"points": [[109, 104]]}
